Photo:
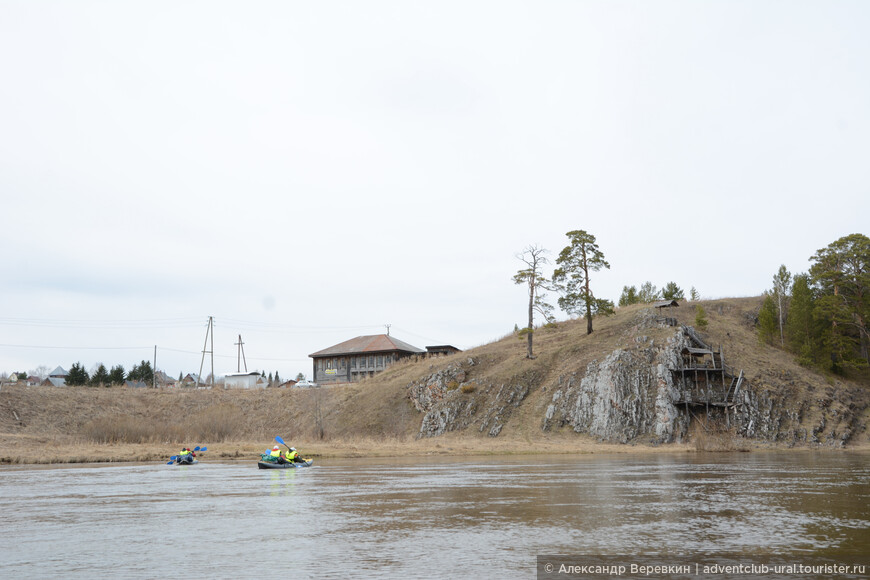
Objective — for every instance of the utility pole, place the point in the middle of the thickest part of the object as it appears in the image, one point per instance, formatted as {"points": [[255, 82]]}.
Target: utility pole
{"points": [[388, 328], [241, 356], [154, 372], [208, 333]]}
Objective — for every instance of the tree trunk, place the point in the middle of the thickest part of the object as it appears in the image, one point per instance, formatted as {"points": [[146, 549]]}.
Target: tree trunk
{"points": [[588, 297], [531, 323], [588, 318], [779, 307]]}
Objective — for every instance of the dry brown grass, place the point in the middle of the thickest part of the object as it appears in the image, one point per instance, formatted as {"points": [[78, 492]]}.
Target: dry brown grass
{"points": [[376, 413]]}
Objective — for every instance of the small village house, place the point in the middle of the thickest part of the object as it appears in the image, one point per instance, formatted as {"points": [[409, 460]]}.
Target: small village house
{"points": [[56, 378], [360, 357]]}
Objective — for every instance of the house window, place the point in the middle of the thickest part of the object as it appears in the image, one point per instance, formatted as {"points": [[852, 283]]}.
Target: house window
{"points": [[380, 360], [371, 361]]}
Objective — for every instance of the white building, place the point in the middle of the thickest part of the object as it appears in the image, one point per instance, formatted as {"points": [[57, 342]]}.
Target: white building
{"points": [[253, 380]]}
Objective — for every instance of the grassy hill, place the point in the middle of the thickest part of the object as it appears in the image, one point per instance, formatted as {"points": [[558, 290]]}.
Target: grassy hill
{"points": [[378, 414]]}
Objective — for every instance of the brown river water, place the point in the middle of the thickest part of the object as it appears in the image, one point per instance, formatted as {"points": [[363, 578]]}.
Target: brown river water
{"points": [[469, 517]]}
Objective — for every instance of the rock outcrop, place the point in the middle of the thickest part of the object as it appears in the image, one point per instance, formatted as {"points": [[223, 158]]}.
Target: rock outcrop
{"points": [[450, 401], [630, 394], [634, 394]]}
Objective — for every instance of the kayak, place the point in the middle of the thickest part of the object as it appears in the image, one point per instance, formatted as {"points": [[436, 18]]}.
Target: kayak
{"points": [[270, 465], [194, 462]]}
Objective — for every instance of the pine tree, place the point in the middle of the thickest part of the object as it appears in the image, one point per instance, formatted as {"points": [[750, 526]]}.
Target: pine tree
{"points": [[694, 295], [700, 317], [767, 326], [841, 276], [576, 261], [629, 296], [672, 292], [800, 325], [648, 293]]}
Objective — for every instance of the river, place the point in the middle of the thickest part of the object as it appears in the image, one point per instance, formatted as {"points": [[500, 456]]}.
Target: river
{"points": [[425, 518]]}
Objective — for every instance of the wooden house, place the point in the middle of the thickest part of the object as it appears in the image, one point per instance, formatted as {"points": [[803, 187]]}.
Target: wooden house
{"points": [[358, 358], [441, 350]]}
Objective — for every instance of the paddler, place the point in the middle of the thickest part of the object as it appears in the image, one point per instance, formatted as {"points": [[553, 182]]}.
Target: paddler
{"points": [[186, 455], [275, 455]]}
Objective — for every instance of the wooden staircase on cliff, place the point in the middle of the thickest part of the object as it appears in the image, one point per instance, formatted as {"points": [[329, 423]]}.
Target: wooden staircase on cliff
{"points": [[702, 376]]}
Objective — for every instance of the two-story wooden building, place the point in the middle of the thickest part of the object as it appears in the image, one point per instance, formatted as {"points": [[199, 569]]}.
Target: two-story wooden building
{"points": [[358, 358]]}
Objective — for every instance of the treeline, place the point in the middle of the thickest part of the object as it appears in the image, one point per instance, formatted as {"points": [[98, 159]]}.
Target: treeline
{"points": [[821, 315], [649, 293], [78, 376], [142, 372]]}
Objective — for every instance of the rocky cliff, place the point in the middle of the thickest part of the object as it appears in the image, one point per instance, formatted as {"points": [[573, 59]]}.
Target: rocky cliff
{"points": [[634, 394]]}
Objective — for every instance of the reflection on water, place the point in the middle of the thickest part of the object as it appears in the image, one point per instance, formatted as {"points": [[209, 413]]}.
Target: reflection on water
{"points": [[424, 518]]}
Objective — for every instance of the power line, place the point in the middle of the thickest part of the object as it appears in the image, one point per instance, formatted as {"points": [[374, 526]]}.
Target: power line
{"points": [[76, 347], [70, 323]]}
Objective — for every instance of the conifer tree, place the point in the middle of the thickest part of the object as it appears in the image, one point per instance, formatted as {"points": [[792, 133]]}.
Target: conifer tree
{"points": [[629, 296], [117, 375], [672, 292], [800, 324], [841, 277], [767, 326], [77, 375], [100, 377], [648, 293], [700, 317], [576, 261]]}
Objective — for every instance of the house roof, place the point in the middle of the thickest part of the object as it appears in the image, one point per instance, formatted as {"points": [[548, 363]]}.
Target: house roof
{"points": [[368, 344], [58, 372], [665, 303]]}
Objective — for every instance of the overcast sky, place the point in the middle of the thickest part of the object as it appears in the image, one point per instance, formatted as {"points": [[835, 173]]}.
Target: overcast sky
{"points": [[308, 172]]}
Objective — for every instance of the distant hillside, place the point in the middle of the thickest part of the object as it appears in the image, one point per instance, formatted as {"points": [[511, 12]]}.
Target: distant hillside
{"points": [[615, 385], [493, 390]]}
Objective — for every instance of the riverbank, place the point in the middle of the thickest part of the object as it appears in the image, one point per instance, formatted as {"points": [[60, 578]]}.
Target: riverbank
{"points": [[25, 450]]}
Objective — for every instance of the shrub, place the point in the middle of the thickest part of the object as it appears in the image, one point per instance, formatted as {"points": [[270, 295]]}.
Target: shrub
{"points": [[216, 423], [700, 317], [118, 429], [468, 388]]}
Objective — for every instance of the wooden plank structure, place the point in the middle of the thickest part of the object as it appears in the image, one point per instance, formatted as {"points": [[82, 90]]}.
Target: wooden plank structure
{"points": [[703, 377]]}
